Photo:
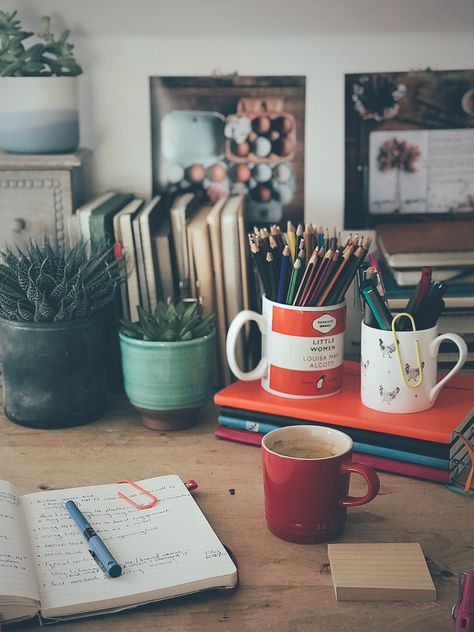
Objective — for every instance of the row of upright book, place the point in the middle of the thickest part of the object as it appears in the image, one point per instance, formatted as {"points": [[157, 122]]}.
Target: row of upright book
{"points": [[176, 245], [448, 248]]}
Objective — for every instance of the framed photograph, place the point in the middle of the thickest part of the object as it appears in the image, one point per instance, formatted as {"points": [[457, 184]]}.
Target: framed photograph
{"points": [[409, 147], [232, 134]]}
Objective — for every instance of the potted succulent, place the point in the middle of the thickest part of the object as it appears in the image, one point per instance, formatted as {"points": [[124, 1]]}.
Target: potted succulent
{"points": [[38, 92], [167, 361], [52, 333]]}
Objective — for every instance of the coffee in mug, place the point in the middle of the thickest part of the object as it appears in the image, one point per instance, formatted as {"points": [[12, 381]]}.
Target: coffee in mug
{"points": [[306, 473]]}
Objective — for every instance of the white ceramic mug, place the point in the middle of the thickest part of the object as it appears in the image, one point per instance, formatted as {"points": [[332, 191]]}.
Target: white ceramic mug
{"points": [[302, 349], [406, 384]]}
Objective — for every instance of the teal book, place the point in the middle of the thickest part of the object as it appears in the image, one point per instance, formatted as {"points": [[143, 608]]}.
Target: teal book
{"points": [[101, 220], [363, 448]]}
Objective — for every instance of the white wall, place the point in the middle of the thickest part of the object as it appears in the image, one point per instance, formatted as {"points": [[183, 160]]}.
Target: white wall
{"points": [[115, 120]]}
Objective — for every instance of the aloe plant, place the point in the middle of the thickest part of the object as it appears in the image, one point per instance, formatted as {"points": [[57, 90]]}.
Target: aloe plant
{"points": [[169, 322], [53, 57], [43, 283]]}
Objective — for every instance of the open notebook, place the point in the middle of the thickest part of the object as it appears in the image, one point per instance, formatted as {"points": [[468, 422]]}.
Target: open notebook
{"points": [[165, 551]]}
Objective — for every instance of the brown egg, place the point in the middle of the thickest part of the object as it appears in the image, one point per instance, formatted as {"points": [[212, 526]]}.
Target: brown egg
{"points": [[282, 147], [253, 137], [274, 135], [218, 172], [261, 124], [195, 173], [242, 173], [262, 193], [283, 124], [241, 149]]}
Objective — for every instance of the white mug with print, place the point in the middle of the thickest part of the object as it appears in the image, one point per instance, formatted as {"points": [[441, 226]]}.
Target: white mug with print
{"points": [[403, 382]]}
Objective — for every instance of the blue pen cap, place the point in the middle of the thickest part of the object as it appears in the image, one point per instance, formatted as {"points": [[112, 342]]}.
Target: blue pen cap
{"points": [[104, 557]]}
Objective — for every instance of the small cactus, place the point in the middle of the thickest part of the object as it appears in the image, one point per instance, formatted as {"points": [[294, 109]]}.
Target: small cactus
{"points": [[169, 322], [53, 57], [42, 283]]}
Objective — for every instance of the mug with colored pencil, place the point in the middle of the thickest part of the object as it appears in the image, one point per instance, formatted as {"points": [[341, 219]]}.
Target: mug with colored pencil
{"points": [[305, 275], [306, 268]]}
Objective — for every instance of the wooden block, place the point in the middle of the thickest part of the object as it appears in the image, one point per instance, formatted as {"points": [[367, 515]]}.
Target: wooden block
{"points": [[380, 572]]}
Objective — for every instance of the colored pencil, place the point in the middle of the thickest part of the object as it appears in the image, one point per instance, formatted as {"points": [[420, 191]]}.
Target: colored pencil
{"points": [[326, 277], [293, 281], [345, 257], [321, 277], [291, 236], [284, 275], [271, 275], [306, 275]]}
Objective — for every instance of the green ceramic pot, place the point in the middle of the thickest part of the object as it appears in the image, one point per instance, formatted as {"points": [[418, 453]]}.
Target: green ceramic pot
{"points": [[167, 381]]}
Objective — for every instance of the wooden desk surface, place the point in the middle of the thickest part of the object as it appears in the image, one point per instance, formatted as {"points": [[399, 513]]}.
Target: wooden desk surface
{"points": [[284, 586]]}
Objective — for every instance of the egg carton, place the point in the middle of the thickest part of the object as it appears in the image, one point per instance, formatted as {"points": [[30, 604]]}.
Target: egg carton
{"points": [[192, 148], [260, 132]]}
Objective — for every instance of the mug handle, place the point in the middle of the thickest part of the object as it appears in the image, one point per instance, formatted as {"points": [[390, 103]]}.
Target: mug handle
{"points": [[232, 335], [433, 350], [373, 483]]}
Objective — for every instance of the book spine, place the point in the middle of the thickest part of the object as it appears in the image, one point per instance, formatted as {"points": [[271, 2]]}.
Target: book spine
{"points": [[242, 424], [395, 442], [365, 448], [382, 464]]}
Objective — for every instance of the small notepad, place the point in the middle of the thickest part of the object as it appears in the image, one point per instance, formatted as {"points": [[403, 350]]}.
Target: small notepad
{"points": [[380, 572]]}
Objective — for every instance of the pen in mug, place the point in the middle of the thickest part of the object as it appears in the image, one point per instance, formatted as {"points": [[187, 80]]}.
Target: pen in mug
{"points": [[101, 554], [378, 308]]}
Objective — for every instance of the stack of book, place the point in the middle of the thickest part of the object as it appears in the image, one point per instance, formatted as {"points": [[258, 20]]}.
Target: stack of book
{"points": [[426, 445], [448, 248], [176, 245]]}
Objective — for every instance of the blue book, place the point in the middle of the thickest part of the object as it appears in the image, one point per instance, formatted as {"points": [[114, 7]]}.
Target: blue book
{"points": [[365, 448]]}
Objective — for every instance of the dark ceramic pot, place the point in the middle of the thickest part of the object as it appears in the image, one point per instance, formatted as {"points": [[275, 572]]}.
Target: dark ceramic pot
{"points": [[54, 374]]}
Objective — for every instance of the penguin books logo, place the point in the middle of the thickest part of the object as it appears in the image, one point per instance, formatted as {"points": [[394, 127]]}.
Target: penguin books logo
{"points": [[324, 323]]}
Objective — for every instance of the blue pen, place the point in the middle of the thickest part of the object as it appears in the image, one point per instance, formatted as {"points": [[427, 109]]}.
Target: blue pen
{"points": [[97, 548]]}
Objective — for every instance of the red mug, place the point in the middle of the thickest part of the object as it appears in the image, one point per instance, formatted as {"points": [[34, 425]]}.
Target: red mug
{"points": [[306, 472]]}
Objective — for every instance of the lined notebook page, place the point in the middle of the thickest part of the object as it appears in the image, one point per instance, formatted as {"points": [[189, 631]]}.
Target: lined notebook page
{"points": [[163, 550], [380, 572], [17, 574]]}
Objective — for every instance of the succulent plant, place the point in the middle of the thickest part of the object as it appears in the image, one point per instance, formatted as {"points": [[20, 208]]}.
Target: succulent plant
{"points": [[169, 322], [41, 283], [53, 57]]}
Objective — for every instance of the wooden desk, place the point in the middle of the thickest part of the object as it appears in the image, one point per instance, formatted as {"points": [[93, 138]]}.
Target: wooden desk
{"points": [[284, 586]]}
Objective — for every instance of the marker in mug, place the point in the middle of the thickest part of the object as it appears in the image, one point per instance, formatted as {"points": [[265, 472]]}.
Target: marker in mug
{"points": [[377, 306], [97, 548]]}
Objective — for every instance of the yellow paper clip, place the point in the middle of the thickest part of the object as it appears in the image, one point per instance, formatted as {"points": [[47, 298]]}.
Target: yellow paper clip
{"points": [[419, 379]]}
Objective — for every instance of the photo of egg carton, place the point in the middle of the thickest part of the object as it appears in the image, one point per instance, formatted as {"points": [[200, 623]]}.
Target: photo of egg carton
{"points": [[193, 150], [269, 187], [264, 181], [260, 132]]}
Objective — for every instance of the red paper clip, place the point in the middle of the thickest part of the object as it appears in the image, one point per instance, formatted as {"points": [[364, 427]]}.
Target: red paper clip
{"points": [[153, 502]]}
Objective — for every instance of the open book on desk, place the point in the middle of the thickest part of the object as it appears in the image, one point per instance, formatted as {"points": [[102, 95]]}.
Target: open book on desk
{"points": [[165, 551]]}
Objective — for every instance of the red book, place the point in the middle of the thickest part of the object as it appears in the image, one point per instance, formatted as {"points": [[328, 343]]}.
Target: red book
{"points": [[380, 463]]}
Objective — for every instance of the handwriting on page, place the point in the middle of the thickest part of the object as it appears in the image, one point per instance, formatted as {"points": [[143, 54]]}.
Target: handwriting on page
{"points": [[54, 533], [16, 569], [166, 545]]}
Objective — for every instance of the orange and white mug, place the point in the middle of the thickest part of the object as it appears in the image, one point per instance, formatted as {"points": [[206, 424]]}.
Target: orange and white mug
{"points": [[302, 349]]}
